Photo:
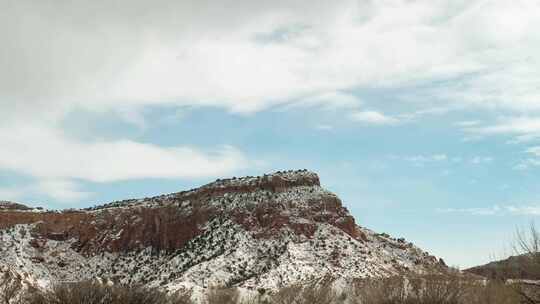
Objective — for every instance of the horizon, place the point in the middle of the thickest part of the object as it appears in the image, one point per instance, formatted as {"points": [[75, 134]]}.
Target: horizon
{"points": [[491, 258], [424, 118]]}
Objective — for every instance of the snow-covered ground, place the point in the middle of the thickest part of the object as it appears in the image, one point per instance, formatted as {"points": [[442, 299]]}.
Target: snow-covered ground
{"points": [[240, 245]]}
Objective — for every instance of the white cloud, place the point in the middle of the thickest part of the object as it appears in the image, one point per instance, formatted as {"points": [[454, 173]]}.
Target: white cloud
{"points": [[324, 127], [477, 160], [246, 57], [440, 157], [137, 53], [474, 211], [61, 190], [48, 154], [534, 150], [516, 125], [426, 158], [497, 210], [422, 160], [524, 210], [10, 194], [529, 162], [373, 118], [329, 101], [468, 123], [523, 128]]}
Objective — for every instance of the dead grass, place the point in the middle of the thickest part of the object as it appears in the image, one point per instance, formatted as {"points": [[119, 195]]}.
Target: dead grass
{"points": [[434, 289], [454, 289]]}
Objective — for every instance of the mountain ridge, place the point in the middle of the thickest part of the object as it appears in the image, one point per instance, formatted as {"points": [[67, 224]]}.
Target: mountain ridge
{"points": [[518, 267], [252, 232]]}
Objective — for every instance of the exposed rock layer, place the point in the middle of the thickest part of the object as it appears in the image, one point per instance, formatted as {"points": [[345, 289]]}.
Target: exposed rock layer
{"points": [[254, 232]]}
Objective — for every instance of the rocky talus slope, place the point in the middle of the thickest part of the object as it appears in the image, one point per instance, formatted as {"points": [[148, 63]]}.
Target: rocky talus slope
{"points": [[252, 232]]}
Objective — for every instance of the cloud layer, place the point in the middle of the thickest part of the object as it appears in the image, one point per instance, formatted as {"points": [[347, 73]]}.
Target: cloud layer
{"points": [[374, 117], [247, 57], [124, 56], [533, 210], [58, 162], [47, 154]]}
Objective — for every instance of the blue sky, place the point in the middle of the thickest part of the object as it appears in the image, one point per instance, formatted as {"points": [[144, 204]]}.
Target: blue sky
{"points": [[423, 117]]}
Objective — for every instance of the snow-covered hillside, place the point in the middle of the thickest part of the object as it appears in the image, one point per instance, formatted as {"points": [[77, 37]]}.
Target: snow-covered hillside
{"points": [[253, 232]]}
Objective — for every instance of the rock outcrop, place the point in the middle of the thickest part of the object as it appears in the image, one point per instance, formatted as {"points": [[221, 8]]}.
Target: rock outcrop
{"points": [[251, 232]]}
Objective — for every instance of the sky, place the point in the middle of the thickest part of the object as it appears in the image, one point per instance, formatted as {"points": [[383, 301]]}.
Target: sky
{"points": [[423, 116]]}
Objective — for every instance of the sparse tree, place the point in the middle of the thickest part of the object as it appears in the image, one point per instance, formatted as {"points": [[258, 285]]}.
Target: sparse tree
{"points": [[10, 287], [528, 247]]}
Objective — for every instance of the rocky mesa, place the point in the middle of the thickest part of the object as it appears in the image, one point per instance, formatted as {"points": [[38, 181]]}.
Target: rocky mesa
{"points": [[252, 232]]}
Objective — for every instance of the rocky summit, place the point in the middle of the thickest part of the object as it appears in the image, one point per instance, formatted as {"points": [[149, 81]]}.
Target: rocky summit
{"points": [[252, 232]]}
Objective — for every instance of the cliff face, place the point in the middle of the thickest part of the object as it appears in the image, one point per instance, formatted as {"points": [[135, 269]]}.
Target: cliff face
{"points": [[253, 232]]}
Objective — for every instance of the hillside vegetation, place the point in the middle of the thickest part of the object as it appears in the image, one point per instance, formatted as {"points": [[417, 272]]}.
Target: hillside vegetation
{"points": [[449, 289]]}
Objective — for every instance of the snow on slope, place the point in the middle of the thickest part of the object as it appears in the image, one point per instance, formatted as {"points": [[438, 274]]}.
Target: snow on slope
{"points": [[256, 232]]}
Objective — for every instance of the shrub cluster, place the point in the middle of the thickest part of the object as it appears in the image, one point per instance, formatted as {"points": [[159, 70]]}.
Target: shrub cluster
{"points": [[434, 289], [454, 289], [97, 293]]}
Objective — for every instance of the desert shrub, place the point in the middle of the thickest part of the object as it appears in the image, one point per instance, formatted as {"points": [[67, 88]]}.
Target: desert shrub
{"points": [[317, 294], [10, 287], [493, 292], [286, 295], [97, 293], [321, 293], [440, 289], [433, 289], [222, 296], [443, 289], [384, 291]]}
